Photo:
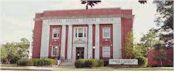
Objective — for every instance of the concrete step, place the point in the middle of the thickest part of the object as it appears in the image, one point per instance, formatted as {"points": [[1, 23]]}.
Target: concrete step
{"points": [[67, 63]]}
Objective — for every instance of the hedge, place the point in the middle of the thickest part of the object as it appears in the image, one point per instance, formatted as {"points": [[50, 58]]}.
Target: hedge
{"points": [[23, 62], [81, 63], [36, 62]]}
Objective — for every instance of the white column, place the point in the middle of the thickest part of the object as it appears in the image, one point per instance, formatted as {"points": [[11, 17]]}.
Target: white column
{"points": [[63, 40], [69, 52], [117, 39], [97, 41], [90, 41], [45, 40]]}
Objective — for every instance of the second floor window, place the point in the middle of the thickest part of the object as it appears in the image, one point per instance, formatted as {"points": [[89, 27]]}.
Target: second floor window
{"points": [[106, 32], [55, 33], [80, 32]]}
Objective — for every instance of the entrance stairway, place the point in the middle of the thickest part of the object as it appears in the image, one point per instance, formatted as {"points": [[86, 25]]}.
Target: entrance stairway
{"points": [[67, 63]]}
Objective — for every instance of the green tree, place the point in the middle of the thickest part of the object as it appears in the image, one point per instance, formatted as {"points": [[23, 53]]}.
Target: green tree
{"points": [[165, 21], [128, 50], [11, 52], [165, 9], [150, 39], [23, 48], [140, 50]]}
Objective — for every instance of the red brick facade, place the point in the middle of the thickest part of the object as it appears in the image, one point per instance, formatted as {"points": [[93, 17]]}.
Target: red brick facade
{"points": [[126, 26]]}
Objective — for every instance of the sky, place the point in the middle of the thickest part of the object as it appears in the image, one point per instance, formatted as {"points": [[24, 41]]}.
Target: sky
{"points": [[17, 15]]}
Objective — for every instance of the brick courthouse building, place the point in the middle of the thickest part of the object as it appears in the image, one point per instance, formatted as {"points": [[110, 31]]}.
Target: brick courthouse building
{"points": [[75, 34]]}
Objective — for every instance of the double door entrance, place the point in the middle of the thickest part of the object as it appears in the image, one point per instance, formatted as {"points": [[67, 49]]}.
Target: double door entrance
{"points": [[79, 52]]}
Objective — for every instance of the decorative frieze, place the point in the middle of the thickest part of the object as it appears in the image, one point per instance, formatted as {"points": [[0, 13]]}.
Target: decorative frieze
{"points": [[80, 21]]}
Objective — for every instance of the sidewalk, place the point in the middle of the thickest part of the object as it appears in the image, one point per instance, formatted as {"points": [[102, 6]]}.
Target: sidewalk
{"points": [[72, 68], [28, 68]]}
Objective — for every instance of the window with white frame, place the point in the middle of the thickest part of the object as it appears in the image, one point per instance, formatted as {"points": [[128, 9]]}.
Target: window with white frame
{"points": [[54, 51], [55, 33], [106, 51], [106, 32], [80, 32]]}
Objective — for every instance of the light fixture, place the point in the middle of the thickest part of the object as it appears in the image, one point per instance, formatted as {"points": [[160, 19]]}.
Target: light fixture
{"points": [[93, 47], [56, 47]]}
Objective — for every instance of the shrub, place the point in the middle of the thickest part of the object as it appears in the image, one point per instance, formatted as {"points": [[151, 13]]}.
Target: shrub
{"points": [[36, 62], [100, 63], [53, 61], [94, 62], [30, 62], [43, 62], [79, 63], [23, 62], [142, 61], [88, 63]]}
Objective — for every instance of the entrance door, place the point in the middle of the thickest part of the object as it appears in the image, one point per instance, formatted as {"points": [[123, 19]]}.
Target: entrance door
{"points": [[79, 52]]}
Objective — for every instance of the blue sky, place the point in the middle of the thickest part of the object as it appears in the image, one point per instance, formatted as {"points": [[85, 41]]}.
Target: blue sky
{"points": [[17, 15]]}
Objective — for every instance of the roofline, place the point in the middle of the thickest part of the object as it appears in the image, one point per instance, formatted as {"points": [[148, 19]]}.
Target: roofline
{"points": [[42, 14]]}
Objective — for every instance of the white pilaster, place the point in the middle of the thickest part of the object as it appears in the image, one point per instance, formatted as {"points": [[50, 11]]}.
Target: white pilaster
{"points": [[90, 41], [69, 52], [63, 40], [45, 40], [97, 41], [117, 38]]}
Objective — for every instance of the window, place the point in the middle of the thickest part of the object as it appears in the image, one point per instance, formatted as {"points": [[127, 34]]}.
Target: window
{"points": [[76, 32], [55, 33], [80, 35], [106, 32], [106, 51], [54, 51], [80, 32]]}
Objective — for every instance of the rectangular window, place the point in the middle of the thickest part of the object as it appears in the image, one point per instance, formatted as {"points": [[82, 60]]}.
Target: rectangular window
{"points": [[80, 32], [106, 32], [55, 33], [106, 51], [54, 51]]}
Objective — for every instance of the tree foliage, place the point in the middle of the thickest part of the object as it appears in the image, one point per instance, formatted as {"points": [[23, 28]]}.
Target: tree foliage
{"points": [[150, 39], [13, 51], [129, 50], [164, 30], [165, 22]]}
